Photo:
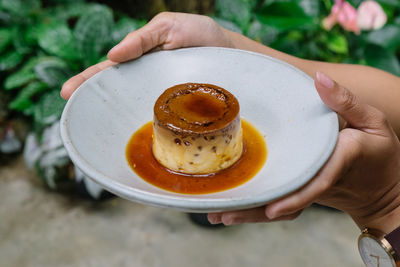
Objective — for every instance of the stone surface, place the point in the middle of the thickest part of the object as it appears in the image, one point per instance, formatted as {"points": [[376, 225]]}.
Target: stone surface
{"points": [[43, 228]]}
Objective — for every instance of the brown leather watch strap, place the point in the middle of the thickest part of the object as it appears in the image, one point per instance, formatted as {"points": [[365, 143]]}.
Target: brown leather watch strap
{"points": [[394, 239]]}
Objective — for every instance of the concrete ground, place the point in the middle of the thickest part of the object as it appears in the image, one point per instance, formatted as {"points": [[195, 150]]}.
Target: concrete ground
{"points": [[42, 228]]}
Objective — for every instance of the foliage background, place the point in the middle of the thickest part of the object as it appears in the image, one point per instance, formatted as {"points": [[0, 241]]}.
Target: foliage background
{"points": [[44, 42]]}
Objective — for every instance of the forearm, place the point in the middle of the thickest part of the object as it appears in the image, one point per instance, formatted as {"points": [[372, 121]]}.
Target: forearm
{"points": [[373, 86]]}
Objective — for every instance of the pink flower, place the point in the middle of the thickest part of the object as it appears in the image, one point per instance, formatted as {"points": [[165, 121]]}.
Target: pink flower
{"points": [[370, 16], [344, 14]]}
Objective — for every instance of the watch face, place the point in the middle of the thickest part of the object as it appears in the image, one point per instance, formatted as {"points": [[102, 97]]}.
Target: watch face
{"points": [[373, 254]]}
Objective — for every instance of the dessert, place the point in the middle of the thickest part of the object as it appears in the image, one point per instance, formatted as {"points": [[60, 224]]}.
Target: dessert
{"points": [[195, 141], [140, 158], [197, 129]]}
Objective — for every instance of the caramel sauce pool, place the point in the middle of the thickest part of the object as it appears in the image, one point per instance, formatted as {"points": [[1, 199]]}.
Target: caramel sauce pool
{"points": [[142, 161]]}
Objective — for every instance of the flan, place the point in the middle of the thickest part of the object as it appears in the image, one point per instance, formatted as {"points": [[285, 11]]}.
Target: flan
{"points": [[197, 129]]}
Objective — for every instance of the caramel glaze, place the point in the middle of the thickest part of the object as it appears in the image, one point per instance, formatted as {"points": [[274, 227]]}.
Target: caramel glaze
{"points": [[140, 158], [195, 108]]}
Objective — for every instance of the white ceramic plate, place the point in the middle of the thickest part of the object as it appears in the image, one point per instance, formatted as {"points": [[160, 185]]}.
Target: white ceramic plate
{"points": [[277, 98]]}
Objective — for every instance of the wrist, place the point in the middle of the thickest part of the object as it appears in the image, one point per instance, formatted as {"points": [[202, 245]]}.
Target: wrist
{"points": [[231, 38], [379, 241], [385, 223]]}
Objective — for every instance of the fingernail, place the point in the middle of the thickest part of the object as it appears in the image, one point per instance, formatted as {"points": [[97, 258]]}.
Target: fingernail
{"points": [[272, 214], [325, 80], [63, 91]]}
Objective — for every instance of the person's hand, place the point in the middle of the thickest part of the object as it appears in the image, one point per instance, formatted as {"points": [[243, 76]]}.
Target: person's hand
{"points": [[361, 177], [165, 31]]}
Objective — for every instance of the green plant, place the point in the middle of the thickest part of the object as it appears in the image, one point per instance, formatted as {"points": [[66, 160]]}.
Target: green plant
{"points": [[42, 44], [295, 27], [41, 47]]}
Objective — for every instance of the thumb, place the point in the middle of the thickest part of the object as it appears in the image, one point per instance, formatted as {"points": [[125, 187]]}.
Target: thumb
{"points": [[141, 41], [359, 115]]}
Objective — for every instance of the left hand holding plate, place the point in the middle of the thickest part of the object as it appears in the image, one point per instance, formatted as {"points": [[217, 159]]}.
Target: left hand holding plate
{"points": [[361, 177]]}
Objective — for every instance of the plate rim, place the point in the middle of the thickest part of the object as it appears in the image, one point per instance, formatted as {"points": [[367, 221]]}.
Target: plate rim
{"points": [[194, 204]]}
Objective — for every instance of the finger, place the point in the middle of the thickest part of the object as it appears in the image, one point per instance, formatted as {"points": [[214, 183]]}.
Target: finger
{"points": [[214, 217], [255, 215], [74, 82], [359, 115], [346, 152], [243, 216], [143, 40]]}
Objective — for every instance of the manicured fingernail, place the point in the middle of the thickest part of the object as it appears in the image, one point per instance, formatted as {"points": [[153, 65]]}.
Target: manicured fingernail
{"points": [[325, 80]]}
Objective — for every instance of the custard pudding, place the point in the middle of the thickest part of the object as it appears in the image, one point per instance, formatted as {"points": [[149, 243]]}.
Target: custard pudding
{"points": [[197, 129]]}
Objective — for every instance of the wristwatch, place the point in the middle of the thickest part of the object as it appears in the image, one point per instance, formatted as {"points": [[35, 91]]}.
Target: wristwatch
{"points": [[380, 250]]}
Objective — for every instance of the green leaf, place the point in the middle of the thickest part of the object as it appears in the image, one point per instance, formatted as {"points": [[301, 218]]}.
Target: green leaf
{"points": [[18, 79], [5, 38], [355, 3], [238, 11], [10, 60], [122, 28], [294, 36], [92, 33], [23, 99], [288, 46], [389, 2], [387, 37], [24, 75], [53, 71], [262, 32], [378, 57], [5, 17], [21, 45], [228, 25], [31, 33], [337, 44], [20, 7], [310, 7], [49, 108], [57, 39], [282, 8], [68, 10], [75, 2], [285, 15], [283, 23]]}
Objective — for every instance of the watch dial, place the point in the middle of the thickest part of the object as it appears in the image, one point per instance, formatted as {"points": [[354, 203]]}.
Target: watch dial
{"points": [[373, 253]]}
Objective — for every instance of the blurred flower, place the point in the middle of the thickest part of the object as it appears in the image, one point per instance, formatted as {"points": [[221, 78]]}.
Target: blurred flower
{"points": [[48, 155], [10, 143], [32, 150], [370, 16], [93, 189], [344, 14]]}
